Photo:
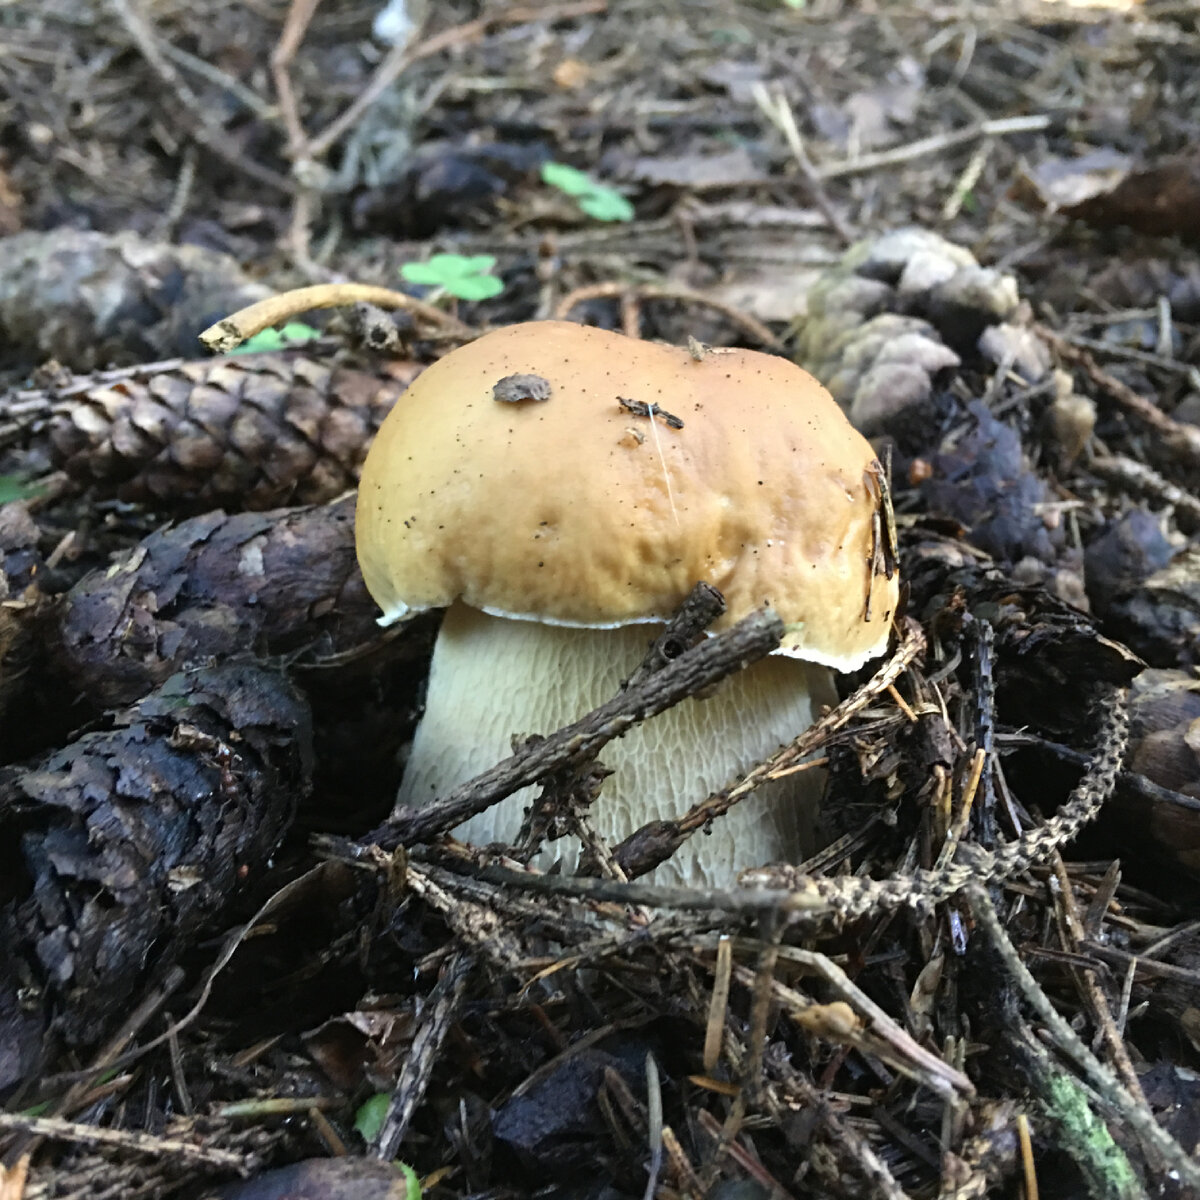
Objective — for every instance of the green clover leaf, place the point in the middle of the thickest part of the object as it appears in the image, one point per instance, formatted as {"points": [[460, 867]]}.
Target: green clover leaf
{"points": [[464, 276], [596, 199], [294, 333], [476, 287], [606, 205], [567, 179], [368, 1121]]}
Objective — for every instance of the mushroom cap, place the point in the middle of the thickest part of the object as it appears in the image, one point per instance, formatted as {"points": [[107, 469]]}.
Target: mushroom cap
{"points": [[577, 510]]}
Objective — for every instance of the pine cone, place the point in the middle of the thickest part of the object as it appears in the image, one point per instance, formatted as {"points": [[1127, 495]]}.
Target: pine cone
{"points": [[21, 614], [87, 299], [894, 314], [248, 431], [215, 587], [131, 843]]}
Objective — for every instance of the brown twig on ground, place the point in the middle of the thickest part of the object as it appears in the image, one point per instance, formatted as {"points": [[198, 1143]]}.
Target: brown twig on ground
{"points": [[773, 104], [438, 1013], [937, 144], [701, 666], [232, 331], [205, 130], [1088, 985], [126, 1139], [1137, 477], [1182, 441], [704, 604], [835, 900], [645, 848], [300, 13], [868, 1028], [788, 1090], [1137, 1116], [640, 292]]}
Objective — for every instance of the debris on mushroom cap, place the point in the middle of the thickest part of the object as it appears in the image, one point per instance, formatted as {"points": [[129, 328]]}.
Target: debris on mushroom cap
{"points": [[554, 513], [512, 389]]}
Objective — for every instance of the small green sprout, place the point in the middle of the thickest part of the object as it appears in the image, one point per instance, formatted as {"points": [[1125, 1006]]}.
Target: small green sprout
{"points": [[596, 199], [368, 1124], [368, 1121], [463, 276], [294, 333], [412, 1185], [14, 487]]}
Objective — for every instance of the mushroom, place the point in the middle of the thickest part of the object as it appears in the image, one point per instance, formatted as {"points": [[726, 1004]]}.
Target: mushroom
{"points": [[555, 525]]}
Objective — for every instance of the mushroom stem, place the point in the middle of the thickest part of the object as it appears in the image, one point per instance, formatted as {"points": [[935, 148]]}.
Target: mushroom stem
{"points": [[493, 678]]}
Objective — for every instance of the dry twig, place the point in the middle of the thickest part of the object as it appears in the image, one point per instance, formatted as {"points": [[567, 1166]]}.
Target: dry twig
{"points": [[232, 331], [1137, 1116], [635, 293], [1182, 441]]}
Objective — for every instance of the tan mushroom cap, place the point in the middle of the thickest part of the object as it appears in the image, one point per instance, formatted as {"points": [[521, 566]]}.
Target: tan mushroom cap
{"points": [[576, 511]]}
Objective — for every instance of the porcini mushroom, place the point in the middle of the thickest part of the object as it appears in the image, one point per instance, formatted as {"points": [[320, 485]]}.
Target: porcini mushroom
{"points": [[555, 521]]}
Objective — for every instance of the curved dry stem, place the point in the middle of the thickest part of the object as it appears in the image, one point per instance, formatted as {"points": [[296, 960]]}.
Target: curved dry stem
{"points": [[232, 331], [640, 292]]}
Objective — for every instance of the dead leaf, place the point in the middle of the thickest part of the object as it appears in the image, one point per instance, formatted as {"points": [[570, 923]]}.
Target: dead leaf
{"points": [[1061, 183], [698, 170]]}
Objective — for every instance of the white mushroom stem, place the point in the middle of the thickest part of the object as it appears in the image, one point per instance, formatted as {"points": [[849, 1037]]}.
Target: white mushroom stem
{"points": [[493, 678]]}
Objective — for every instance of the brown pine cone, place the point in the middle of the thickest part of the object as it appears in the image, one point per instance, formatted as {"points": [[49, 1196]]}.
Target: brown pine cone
{"points": [[247, 431], [22, 609], [87, 299], [214, 588], [133, 842]]}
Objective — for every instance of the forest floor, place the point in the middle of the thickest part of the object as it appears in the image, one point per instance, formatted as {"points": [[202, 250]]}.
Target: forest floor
{"points": [[227, 972]]}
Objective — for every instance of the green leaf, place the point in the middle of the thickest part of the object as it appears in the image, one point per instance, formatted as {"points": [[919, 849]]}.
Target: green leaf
{"points": [[456, 265], [412, 1185], [568, 179], [368, 1121], [292, 334], [465, 276], [606, 205], [475, 287], [297, 331], [14, 487], [596, 199], [423, 273]]}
